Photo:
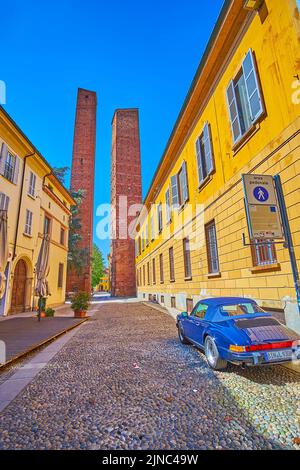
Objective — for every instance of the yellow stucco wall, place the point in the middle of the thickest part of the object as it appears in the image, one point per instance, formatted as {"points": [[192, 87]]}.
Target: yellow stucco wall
{"points": [[272, 148], [55, 203]]}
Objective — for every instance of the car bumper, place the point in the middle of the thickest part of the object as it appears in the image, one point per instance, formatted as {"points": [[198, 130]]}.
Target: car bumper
{"points": [[260, 358]]}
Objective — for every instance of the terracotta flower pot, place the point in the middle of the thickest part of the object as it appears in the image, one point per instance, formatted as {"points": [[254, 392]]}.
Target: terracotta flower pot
{"points": [[43, 314], [78, 314]]}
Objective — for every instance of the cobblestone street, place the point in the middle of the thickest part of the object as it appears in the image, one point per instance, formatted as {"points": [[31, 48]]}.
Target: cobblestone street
{"points": [[124, 381]]}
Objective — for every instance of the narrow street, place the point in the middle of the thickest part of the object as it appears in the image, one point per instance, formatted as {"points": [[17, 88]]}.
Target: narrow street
{"points": [[124, 381]]}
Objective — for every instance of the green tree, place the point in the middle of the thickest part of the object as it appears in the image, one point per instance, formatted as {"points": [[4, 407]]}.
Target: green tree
{"points": [[61, 173], [97, 265], [77, 257]]}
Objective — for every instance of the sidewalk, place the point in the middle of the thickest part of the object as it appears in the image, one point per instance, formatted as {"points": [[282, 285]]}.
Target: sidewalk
{"points": [[21, 335]]}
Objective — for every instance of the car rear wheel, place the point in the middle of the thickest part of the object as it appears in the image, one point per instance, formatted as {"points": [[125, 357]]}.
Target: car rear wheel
{"points": [[181, 336], [212, 355]]}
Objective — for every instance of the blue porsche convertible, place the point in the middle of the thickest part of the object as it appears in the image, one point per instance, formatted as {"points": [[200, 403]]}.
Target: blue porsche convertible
{"points": [[237, 330]]}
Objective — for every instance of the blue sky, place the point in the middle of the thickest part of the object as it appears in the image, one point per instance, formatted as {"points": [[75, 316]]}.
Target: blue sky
{"points": [[132, 53]]}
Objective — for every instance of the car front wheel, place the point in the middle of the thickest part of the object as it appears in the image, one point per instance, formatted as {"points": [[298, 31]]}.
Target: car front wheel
{"points": [[181, 336], [212, 355]]}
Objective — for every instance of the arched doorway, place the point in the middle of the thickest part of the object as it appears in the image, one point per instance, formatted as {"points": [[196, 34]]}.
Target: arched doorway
{"points": [[18, 295]]}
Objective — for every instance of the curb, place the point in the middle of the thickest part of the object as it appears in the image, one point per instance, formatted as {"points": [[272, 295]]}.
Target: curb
{"points": [[39, 345]]}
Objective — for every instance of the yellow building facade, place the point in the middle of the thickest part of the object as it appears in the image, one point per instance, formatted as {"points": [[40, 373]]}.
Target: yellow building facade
{"points": [[241, 115], [36, 203]]}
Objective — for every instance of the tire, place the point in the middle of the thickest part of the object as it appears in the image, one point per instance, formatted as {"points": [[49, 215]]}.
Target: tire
{"points": [[212, 355], [181, 336]]}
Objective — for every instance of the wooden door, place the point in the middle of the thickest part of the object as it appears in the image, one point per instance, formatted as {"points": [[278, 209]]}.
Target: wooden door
{"points": [[18, 298]]}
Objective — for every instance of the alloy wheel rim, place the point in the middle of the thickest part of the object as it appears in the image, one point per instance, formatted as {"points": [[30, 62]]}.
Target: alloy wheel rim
{"points": [[211, 353]]}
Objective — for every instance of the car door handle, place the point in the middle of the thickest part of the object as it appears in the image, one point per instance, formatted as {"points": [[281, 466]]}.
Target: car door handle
{"points": [[197, 323]]}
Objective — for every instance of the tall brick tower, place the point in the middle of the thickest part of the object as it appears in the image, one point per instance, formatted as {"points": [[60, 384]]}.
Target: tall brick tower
{"points": [[126, 188], [82, 177]]}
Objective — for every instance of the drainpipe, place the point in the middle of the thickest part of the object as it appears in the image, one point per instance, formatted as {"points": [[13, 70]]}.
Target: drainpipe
{"points": [[20, 204]]}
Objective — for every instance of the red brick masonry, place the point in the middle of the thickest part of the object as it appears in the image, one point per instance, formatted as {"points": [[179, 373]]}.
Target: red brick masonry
{"points": [[125, 181], [82, 177]]}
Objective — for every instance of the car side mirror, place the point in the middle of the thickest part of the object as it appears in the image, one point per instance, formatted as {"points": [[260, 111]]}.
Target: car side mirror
{"points": [[184, 314]]}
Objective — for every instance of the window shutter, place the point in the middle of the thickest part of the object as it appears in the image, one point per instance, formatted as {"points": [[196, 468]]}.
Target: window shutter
{"points": [[252, 87], [152, 227], [233, 111], [4, 201], [199, 164], [16, 170], [168, 209], [174, 186], [208, 148], [185, 188], [3, 155]]}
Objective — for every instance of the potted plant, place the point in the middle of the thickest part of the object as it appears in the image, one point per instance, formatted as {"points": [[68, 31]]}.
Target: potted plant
{"points": [[80, 304], [42, 307], [49, 312]]}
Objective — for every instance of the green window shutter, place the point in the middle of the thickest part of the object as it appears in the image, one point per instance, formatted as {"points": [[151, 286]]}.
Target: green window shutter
{"points": [[233, 111], [252, 86]]}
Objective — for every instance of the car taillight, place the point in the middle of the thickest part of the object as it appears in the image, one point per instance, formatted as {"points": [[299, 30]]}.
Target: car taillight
{"points": [[263, 347]]}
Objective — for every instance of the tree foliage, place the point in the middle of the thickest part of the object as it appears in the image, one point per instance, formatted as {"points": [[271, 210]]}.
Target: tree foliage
{"points": [[77, 257], [97, 265]]}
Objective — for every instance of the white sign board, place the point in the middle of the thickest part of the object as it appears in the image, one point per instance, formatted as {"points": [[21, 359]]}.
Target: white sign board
{"points": [[262, 207]]}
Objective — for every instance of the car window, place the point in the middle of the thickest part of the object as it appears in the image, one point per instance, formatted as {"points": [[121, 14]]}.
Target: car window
{"points": [[240, 309], [199, 311]]}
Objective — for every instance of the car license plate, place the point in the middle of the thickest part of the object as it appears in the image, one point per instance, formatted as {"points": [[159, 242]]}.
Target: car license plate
{"points": [[279, 355]]}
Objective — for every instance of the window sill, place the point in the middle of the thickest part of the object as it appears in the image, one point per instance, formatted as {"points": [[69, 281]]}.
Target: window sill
{"points": [[245, 138], [265, 268], [189, 278], [28, 235], [213, 275], [31, 196], [203, 183], [172, 280]]}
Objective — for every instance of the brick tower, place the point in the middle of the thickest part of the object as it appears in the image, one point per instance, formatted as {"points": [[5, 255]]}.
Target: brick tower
{"points": [[82, 177], [125, 186]]}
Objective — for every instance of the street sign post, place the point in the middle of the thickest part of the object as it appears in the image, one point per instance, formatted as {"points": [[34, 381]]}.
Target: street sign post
{"points": [[267, 217], [263, 212]]}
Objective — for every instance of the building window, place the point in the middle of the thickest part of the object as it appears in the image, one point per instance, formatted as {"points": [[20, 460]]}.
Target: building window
{"points": [[187, 259], [171, 263], [28, 222], [212, 248], [179, 187], [244, 98], [143, 241], [159, 217], [137, 278], [153, 271], [11, 168], [263, 255], [152, 228], [168, 208], [137, 248], [173, 302], [4, 201], [147, 234], [162, 299], [47, 225], [148, 273], [204, 154], [140, 276], [62, 236], [189, 305], [60, 275], [144, 276], [161, 268], [32, 184]]}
